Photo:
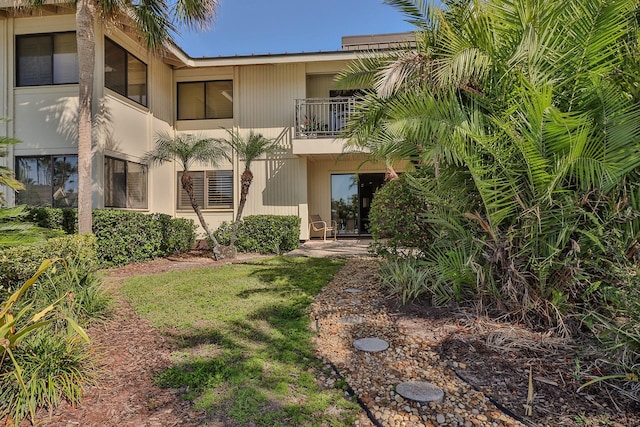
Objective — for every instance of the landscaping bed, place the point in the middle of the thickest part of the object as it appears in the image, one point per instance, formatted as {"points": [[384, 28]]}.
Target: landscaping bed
{"points": [[492, 361]]}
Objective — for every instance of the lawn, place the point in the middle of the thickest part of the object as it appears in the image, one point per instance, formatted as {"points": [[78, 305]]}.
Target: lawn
{"points": [[243, 342]]}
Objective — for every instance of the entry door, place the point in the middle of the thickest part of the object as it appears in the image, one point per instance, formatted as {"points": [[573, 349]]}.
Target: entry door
{"points": [[351, 197]]}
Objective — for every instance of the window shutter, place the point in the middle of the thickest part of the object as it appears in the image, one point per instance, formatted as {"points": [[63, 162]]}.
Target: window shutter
{"points": [[65, 58], [198, 190], [136, 186], [220, 189]]}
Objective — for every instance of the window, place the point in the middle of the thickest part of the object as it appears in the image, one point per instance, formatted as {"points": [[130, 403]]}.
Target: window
{"points": [[124, 73], [216, 185], [48, 181], [46, 59], [205, 100], [125, 184]]}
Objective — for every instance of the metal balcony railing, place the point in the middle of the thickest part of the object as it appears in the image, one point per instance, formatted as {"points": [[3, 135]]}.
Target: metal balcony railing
{"points": [[322, 117]]}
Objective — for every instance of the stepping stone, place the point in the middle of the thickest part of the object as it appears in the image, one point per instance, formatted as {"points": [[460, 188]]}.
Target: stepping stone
{"points": [[353, 290], [420, 391], [351, 320], [371, 345]]}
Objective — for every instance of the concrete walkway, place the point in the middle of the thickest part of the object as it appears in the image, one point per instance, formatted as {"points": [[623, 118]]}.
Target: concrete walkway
{"points": [[333, 248]]}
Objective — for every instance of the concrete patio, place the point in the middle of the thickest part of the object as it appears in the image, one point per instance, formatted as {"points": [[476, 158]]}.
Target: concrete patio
{"points": [[333, 248]]}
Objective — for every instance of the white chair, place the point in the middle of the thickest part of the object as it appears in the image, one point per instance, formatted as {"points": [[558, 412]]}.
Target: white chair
{"points": [[318, 224]]}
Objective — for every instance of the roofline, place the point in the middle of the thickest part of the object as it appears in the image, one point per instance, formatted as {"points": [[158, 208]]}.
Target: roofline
{"points": [[258, 59]]}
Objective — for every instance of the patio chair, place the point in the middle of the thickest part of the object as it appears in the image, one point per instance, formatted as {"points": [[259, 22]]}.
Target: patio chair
{"points": [[318, 224]]}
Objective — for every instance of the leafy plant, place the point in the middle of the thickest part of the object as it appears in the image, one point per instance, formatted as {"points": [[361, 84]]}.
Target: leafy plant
{"points": [[263, 233], [14, 328], [404, 278]]}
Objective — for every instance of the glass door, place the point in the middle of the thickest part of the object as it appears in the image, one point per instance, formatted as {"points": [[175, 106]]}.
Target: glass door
{"points": [[351, 197]]}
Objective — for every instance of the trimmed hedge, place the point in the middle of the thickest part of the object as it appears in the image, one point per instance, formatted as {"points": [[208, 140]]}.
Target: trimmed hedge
{"points": [[124, 237], [18, 263], [264, 234]]}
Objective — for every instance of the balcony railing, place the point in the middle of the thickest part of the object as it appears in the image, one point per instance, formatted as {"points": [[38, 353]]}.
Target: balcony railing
{"points": [[322, 117]]}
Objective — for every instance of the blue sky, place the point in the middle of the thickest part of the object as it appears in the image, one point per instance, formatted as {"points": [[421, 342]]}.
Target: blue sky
{"points": [[278, 26]]}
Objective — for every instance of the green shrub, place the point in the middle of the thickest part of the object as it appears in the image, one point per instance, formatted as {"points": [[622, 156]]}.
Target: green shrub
{"points": [[54, 366], [17, 263], [263, 233], [43, 353], [124, 236], [65, 219], [395, 216], [89, 300], [178, 234], [405, 279]]}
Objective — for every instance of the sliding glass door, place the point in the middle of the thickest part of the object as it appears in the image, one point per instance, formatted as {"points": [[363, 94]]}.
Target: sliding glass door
{"points": [[351, 196]]}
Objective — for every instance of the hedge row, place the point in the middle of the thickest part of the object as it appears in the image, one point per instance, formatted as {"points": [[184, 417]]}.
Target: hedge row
{"points": [[263, 233], [124, 237]]}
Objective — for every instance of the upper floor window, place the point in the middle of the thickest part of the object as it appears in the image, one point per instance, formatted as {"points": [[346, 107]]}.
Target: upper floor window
{"points": [[48, 181], [46, 59], [211, 189], [205, 100], [124, 73], [125, 184]]}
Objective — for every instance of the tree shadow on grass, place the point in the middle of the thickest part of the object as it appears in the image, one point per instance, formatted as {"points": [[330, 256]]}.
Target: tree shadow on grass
{"points": [[263, 370]]}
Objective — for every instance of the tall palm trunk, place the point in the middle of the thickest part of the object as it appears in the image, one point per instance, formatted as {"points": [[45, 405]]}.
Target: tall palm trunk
{"points": [[187, 185], [245, 182], [85, 12]]}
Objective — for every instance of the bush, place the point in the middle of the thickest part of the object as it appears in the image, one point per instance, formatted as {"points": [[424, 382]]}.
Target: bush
{"points": [[17, 263], [54, 366], [178, 234], [396, 217], [405, 279], [41, 360], [263, 233], [89, 301], [124, 236], [55, 218]]}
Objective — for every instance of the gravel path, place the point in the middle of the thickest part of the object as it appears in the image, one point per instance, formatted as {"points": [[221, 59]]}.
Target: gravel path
{"points": [[351, 308]]}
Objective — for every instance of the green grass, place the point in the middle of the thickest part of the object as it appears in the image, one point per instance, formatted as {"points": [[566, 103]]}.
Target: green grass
{"points": [[244, 340]]}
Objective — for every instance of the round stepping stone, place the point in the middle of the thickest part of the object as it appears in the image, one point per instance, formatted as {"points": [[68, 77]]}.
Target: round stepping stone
{"points": [[371, 345], [353, 290], [420, 391], [351, 320]]}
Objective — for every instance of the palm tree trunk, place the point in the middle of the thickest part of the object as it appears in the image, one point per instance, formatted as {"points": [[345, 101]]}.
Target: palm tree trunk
{"points": [[85, 12], [245, 182], [187, 185]]}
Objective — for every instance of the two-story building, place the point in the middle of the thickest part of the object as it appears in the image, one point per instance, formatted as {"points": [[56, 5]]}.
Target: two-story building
{"points": [[290, 97]]}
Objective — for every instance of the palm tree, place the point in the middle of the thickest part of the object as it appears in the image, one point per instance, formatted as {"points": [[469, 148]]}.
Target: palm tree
{"points": [[247, 149], [155, 21], [188, 149], [529, 106]]}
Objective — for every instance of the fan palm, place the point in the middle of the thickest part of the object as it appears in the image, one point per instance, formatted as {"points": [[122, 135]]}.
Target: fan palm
{"points": [[248, 149], [155, 21], [188, 149]]}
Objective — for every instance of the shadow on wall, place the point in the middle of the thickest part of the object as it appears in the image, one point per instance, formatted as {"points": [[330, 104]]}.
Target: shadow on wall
{"points": [[286, 180], [65, 113]]}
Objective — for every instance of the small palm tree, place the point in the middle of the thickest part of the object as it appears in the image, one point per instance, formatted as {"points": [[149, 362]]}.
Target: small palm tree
{"points": [[187, 149], [247, 149]]}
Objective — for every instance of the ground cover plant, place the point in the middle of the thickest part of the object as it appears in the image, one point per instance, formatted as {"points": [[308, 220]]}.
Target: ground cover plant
{"points": [[243, 338]]}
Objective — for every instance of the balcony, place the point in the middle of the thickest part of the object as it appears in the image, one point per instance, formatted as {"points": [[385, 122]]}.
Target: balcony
{"points": [[322, 117]]}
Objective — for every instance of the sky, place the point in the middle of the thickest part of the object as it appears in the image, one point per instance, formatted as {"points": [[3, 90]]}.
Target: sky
{"points": [[245, 27]]}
